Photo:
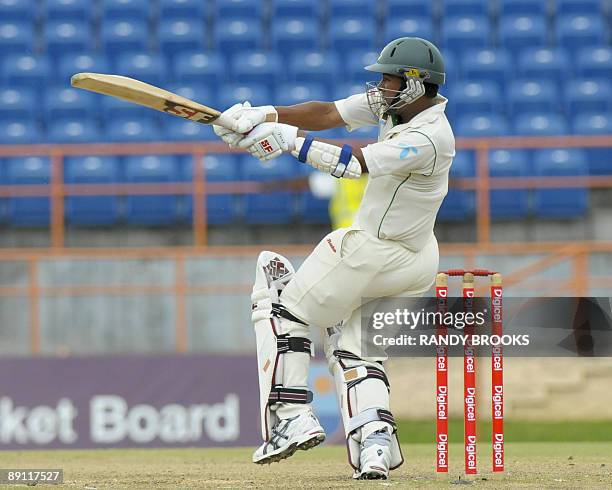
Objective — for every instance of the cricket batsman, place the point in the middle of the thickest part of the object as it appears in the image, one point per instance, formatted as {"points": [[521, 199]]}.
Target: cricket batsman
{"points": [[390, 250]]}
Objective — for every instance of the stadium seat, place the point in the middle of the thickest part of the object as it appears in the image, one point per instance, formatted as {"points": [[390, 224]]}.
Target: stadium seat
{"points": [[195, 91], [112, 109], [481, 125], [522, 31], [509, 203], [182, 9], [599, 159], [125, 9], [132, 129], [408, 27], [150, 68], [26, 71], [202, 68], [292, 34], [451, 66], [71, 10], [313, 66], [304, 9], [239, 9], [455, 8], [532, 95], [119, 36], [151, 209], [461, 33], [352, 33], [220, 208], [20, 131], [540, 124], [356, 62], [234, 36], [578, 31], [471, 97], [85, 62], [272, 207], [98, 210], [256, 94], [365, 9], [311, 208], [177, 36], [565, 202], [543, 64], [176, 129], [595, 62], [16, 37], [17, 10], [18, 102], [487, 65], [28, 211], [344, 90], [521, 7], [580, 7], [63, 37], [405, 8], [459, 205], [67, 102], [296, 93], [256, 67], [588, 95], [73, 130]]}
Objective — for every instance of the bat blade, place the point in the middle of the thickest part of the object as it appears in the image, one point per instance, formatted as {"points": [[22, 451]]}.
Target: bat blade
{"points": [[142, 93]]}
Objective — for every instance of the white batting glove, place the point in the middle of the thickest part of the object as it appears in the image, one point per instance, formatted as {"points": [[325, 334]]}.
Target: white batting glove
{"points": [[415, 89], [269, 140], [250, 117], [232, 138]]}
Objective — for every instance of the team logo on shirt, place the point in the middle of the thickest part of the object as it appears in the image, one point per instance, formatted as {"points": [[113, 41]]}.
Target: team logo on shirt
{"points": [[407, 150]]}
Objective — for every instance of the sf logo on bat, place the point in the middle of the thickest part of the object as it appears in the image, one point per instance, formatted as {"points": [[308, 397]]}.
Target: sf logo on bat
{"points": [[188, 113]]}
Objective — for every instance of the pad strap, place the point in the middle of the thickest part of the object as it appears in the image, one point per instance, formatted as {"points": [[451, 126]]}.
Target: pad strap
{"points": [[278, 394], [371, 373], [284, 344], [279, 310], [371, 415]]}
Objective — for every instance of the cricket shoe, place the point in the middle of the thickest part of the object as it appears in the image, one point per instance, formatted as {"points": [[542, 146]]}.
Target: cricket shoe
{"points": [[300, 432], [375, 457]]}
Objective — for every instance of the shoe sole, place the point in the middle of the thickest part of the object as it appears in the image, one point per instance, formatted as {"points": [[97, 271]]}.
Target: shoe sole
{"points": [[372, 475], [310, 442]]}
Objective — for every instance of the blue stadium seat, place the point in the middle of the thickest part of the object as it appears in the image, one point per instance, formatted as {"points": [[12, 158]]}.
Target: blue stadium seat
{"points": [[487, 65], [580, 7], [408, 27], [150, 68], [132, 129], [85, 62], [98, 210], [521, 7], [125, 9], [17, 10], [471, 97], [112, 109], [73, 130], [119, 36], [239, 9], [195, 91], [182, 9], [451, 66], [292, 93], [578, 31], [63, 37], [176, 129], [509, 203], [588, 95], [313, 66], [404, 8], [311, 208], [540, 124], [344, 90], [20, 131], [564, 202], [256, 67], [532, 95], [67, 102], [590, 123], [459, 205], [176, 36], [352, 8], [292, 34], [543, 64], [28, 211], [352, 33], [595, 62], [461, 33], [272, 207], [256, 94], [151, 209], [522, 31], [465, 7], [481, 125], [232, 36], [220, 208], [355, 63], [26, 71], [16, 37], [196, 67], [18, 102], [304, 9], [72, 10]]}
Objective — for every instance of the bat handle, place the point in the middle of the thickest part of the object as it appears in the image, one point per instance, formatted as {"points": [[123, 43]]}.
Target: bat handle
{"points": [[227, 122]]}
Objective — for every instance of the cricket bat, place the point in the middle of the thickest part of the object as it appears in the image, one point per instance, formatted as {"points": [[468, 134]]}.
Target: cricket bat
{"points": [[142, 93]]}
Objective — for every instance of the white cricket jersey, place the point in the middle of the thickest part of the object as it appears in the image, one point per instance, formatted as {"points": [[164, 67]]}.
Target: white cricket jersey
{"points": [[408, 169]]}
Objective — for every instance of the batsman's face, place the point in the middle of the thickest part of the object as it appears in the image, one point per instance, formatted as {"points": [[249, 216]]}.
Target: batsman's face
{"points": [[390, 86]]}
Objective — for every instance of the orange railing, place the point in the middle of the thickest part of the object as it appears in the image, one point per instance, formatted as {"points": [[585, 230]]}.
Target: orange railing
{"points": [[482, 183]]}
